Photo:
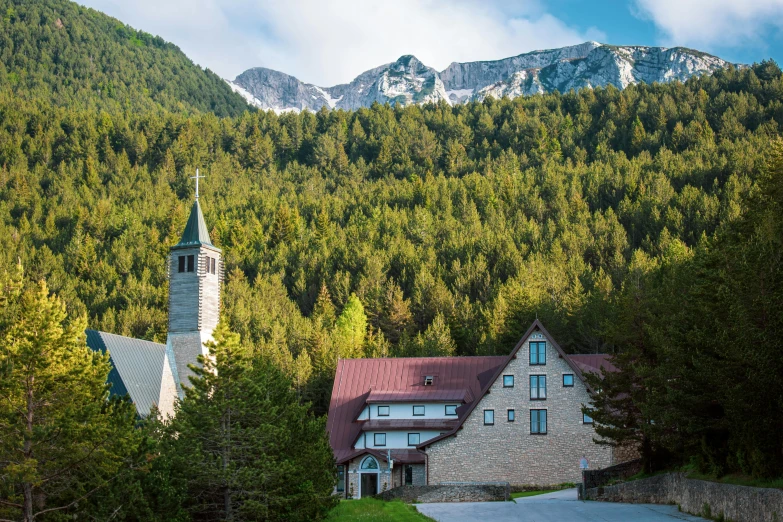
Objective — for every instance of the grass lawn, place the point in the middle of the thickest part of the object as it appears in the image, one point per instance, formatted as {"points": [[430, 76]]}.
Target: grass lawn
{"points": [[375, 510], [521, 494]]}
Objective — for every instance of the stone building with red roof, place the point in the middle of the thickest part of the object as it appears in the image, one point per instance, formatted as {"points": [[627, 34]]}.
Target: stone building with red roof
{"points": [[433, 420]]}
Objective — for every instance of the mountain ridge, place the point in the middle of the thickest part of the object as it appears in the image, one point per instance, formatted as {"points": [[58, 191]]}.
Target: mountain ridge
{"points": [[407, 80]]}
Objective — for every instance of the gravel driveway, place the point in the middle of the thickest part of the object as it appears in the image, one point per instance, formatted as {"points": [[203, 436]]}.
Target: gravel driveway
{"points": [[561, 506]]}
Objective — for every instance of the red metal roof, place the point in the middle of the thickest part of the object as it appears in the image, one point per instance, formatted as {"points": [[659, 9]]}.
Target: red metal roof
{"points": [[356, 379], [597, 363]]}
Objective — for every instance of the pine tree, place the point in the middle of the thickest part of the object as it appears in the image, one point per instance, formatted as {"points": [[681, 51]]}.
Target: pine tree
{"points": [[63, 439], [351, 329], [244, 446]]}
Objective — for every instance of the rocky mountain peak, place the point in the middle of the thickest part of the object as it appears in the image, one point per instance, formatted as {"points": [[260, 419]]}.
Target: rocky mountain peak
{"points": [[407, 80]]}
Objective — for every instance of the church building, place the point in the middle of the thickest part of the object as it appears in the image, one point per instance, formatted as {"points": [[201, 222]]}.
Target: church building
{"points": [[153, 373]]}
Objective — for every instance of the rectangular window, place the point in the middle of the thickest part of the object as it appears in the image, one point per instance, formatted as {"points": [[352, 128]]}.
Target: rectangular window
{"points": [[538, 422], [508, 381], [511, 415], [380, 439], [408, 475], [191, 263], [451, 409], [413, 439], [383, 411], [340, 478], [418, 411], [489, 417], [537, 387], [587, 419], [181, 261], [568, 380], [213, 263], [538, 352]]}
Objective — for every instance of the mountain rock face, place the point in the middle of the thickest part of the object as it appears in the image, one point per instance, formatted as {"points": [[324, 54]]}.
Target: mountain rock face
{"points": [[408, 81]]}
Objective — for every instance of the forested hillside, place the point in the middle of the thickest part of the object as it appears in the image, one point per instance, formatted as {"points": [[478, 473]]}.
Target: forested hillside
{"points": [[452, 226], [78, 57]]}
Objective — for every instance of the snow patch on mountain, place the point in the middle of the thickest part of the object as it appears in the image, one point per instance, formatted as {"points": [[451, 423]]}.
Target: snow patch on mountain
{"points": [[408, 81]]}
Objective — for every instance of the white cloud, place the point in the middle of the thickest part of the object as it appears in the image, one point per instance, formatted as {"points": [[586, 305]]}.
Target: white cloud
{"points": [[708, 23], [332, 42]]}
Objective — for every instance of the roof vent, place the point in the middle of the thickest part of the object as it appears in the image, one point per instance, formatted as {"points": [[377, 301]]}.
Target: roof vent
{"points": [[428, 380]]}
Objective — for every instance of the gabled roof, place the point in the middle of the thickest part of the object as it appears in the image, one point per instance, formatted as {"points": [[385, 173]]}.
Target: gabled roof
{"points": [[137, 367], [356, 379], [587, 362], [196, 233]]}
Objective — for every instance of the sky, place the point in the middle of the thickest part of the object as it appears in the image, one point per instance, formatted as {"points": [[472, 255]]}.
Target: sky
{"points": [[326, 42]]}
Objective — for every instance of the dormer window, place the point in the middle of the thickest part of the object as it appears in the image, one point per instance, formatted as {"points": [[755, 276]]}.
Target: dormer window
{"points": [[428, 380]]}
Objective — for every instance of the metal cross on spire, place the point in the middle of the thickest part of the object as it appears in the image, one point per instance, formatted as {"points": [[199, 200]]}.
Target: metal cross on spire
{"points": [[197, 177]]}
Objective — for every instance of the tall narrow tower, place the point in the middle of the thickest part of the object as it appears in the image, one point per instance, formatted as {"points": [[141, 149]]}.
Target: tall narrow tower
{"points": [[195, 277]]}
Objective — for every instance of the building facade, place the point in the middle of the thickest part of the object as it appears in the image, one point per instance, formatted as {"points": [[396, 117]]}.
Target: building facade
{"points": [[515, 418]]}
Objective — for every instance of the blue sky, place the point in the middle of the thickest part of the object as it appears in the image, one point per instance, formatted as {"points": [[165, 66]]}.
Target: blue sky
{"points": [[331, 41]]}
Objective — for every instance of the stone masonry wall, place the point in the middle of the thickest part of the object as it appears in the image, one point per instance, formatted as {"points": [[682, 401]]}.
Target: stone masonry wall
{"points": [[449, 493], [593, 478], [737, 503], [507, 451]]}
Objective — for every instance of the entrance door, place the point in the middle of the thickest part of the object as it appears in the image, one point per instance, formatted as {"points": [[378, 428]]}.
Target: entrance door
{"points": [[369, 484]]}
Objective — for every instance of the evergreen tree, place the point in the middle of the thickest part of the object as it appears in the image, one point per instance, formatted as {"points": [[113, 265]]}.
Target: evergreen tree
{"points": [[243, 445], [63, 439]]}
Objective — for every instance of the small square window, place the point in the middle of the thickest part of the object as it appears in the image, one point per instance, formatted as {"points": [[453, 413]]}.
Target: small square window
{"points": [[489, 417], [568, 380], [586, 419], [451, 409], [383, 411], [181, 261], [380, 439], [418, 411], [413, 439], [508, 381], [538, 422], [511, 415], [191, 263]]}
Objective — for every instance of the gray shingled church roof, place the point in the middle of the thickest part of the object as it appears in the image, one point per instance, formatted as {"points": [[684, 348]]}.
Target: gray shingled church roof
{"points": [[195, 233], [137, 367]]}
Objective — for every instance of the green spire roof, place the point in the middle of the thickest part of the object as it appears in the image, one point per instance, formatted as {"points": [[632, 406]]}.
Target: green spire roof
{"points": [[196, 230]]}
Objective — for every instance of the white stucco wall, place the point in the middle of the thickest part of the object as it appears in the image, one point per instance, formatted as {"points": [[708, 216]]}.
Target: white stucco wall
{"points": [[395, 439], [432, 410]]}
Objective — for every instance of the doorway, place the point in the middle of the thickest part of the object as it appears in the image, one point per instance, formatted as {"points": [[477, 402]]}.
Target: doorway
{"points": [[369, 484]]}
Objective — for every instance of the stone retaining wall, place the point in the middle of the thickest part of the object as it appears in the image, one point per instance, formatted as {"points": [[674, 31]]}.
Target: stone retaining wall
{"points": [[700, 497], [449, 493], [593, 478]]}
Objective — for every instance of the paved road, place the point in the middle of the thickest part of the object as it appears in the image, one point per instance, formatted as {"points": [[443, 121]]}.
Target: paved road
{"points": [[561, 506]]}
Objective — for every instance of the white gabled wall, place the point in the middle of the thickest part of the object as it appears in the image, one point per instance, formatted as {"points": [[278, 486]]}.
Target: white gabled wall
{"points": [[394, 439], [432, 410]]}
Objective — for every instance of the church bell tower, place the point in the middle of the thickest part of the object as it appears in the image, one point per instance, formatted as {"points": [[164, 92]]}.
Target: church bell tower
{"points": [[195, 271]]}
